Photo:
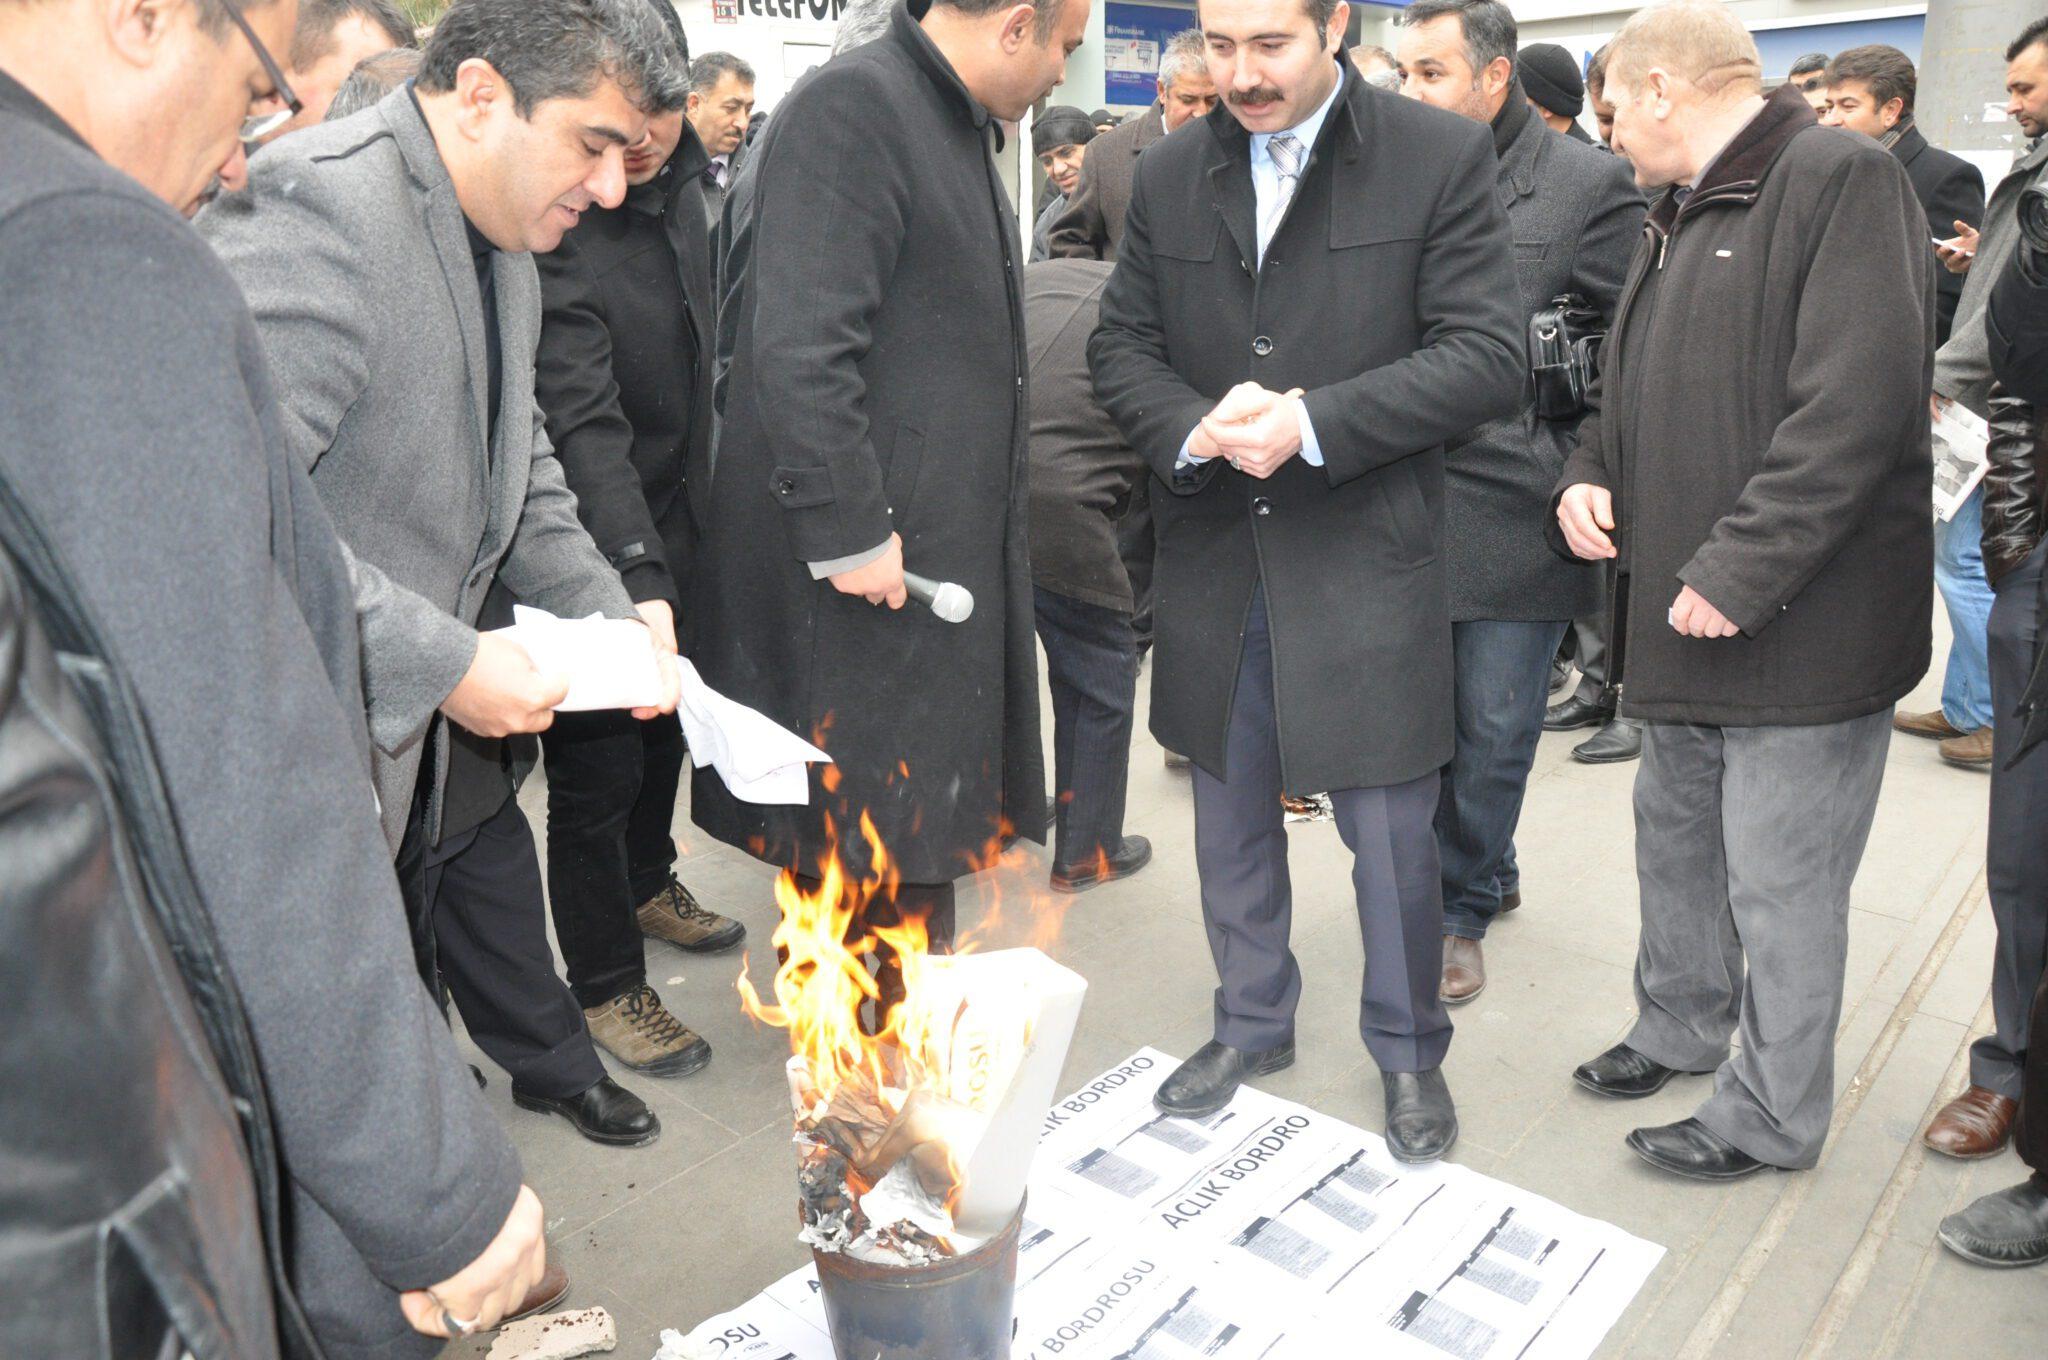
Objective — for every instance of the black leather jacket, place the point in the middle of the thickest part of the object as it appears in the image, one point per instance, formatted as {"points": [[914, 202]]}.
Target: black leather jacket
{"points": [[2013, 487], [143, 1221]]}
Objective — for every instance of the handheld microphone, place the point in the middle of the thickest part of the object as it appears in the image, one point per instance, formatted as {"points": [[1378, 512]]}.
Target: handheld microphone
{"points": [[951, 602]]}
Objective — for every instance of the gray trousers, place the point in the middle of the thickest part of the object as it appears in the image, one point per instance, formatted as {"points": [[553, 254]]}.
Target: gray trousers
{"points": [[1747, 839], [1248, 901], [2016, 862]]}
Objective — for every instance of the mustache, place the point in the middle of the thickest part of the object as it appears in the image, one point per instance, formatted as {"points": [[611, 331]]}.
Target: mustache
{"points": [[1264, 94]]}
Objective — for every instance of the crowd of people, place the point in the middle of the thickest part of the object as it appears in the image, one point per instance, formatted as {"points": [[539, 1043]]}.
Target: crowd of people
{"points": [[322, 345]]}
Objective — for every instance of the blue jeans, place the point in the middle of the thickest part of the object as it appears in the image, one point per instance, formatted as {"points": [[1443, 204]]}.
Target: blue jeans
{"points": [[1959, 575], [1502, 678]]}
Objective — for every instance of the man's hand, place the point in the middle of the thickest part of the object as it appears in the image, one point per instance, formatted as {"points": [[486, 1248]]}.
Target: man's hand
{"points": [[671, 688], [502, 693], [1691, 615], [661, 621], [1960, 251], [1936, 404], [880, 581], [1586, 514], [492, 1285], [1260, 443]]}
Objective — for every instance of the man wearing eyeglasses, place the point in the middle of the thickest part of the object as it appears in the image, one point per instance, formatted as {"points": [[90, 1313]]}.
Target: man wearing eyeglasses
{"points": [[139, 431]]}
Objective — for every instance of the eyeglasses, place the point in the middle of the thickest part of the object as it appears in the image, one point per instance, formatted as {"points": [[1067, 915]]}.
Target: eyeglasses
{"points": [[257, 126]]}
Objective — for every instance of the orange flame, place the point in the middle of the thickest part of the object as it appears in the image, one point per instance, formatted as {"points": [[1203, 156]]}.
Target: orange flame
{"points": [[926, 1044]]}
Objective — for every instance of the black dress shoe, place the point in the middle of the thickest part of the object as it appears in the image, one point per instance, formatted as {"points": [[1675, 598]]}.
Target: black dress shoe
{"points": [[1576, 712], [1560, 672], [1620, 740], [1623, 1074], [1205, 1083], [1691, 1149], [605, 1113], [1422, 1123], [2005, 1228], [1134, 854], [1511, 899]]}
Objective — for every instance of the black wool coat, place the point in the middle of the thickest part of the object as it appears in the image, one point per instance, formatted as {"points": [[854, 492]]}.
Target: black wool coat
{"points": [[1764, 430], [1951, 190], [877, 385], [623, 372], [1397, 216]]}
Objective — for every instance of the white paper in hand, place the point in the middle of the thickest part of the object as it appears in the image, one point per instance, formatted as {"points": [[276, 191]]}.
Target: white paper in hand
{"points": [[609, 663], [760, 761]]}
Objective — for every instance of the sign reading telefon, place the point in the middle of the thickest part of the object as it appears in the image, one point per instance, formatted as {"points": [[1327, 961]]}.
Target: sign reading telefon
{"points": [[823, 11]]}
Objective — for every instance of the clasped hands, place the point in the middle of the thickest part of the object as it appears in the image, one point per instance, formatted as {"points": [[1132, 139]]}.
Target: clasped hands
{"points": [[1253, 428], [1586, 514]]}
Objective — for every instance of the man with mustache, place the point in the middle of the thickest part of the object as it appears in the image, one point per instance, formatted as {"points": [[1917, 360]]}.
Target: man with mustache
{"points": [[388, 262], [1298, 451], [1059, 136]]}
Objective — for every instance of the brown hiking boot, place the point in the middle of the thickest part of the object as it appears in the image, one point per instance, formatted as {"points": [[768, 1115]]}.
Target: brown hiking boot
{"points": [[641, 1033], [1971, 751], [1933, 725], [673, 915]]}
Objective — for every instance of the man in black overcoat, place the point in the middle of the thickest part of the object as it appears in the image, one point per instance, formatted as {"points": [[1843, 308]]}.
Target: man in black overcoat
{"points": [[1302, 623], [875, 419]]}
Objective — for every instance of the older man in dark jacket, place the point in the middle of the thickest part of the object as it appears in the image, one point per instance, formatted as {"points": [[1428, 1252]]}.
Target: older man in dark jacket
{"points": [[1298, 449], [623, 374], [1761, 456], [875, 420], [1575, 213]]}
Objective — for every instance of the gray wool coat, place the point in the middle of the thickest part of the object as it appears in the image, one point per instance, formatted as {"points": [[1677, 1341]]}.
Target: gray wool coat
{"points": [[137, 423], [350, 247], [1576, 216]]}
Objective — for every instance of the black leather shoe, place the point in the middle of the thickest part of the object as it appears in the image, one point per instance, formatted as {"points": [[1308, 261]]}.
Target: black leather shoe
{"points": [[1576, 712], [1691, 1149], [1623, 1074], [1620, 740], [2005, 1228], [1511, 899], [1134, 854], [1205, 1083], [1422, 1123], [1560, 672], [605, 1113]]}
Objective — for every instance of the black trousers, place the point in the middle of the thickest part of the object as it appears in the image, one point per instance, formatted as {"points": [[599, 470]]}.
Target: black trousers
{"points": [[2030, 1138], [1091, 662], [480, 890], [611, 806], [1248, 900], [2016, 855]]}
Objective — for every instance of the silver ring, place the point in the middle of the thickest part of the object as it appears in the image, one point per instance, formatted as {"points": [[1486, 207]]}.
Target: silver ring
{"points": [[453, 1325], [1233, 464]]}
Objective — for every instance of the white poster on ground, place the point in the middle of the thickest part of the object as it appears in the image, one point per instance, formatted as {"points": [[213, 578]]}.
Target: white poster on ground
{"points": [[1267, 1231]]}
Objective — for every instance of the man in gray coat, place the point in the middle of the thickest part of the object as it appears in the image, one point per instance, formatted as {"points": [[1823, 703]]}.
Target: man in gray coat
{"points": [[386, 259], [1576, 215], [138, 426]]}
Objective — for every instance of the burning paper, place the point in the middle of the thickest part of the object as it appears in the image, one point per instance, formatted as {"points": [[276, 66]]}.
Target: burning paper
{"points": [[914, 1141]]}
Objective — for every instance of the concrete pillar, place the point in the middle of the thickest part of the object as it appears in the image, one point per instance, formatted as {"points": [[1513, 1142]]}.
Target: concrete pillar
{"points": [[1962, 80]]}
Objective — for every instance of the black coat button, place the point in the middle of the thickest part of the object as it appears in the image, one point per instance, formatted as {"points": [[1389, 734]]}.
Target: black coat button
{"points": [[1262, 347], [786, 486], [1261, 506]]}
